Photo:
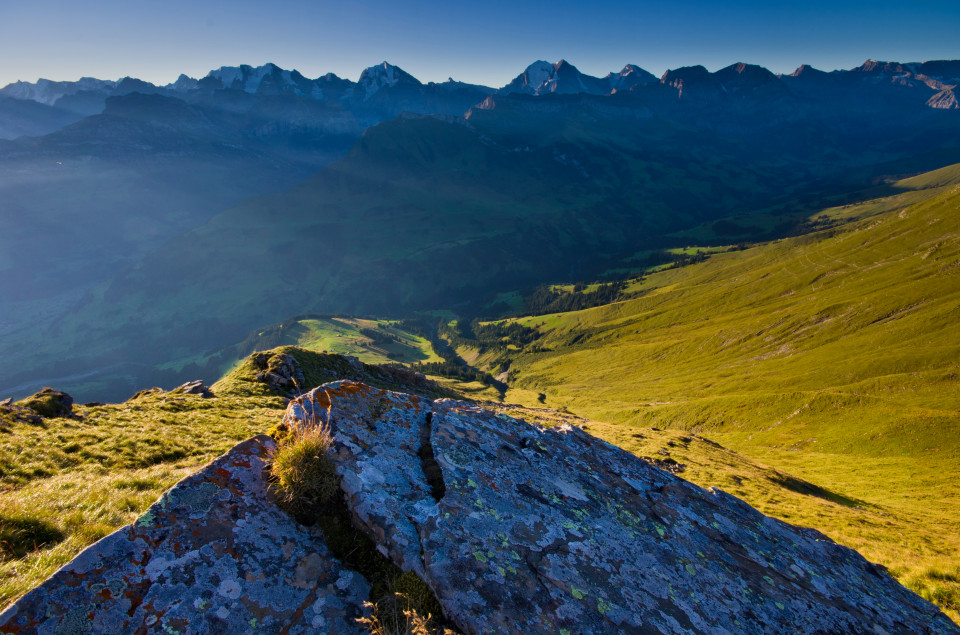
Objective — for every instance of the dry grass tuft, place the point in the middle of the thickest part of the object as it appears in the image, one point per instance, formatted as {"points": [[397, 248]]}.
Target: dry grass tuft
{"points": [[397, 615], [305, 474]]}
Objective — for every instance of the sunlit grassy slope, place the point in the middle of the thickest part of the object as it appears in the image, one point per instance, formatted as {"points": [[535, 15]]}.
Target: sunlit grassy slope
{"points": [[834, 356], [372, 341], [840, 341]]}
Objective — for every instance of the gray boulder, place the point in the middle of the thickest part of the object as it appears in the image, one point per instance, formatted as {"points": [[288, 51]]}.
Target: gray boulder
{"points": [[213, 555], [515, 527], [520, 528]]}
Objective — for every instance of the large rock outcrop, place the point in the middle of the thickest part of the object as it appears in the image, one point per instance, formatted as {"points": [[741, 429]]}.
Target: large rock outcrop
{"points": [[520, 528], [213, 555], [515, 527]]}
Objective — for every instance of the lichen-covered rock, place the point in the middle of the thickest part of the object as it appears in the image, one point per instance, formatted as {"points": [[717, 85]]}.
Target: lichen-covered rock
{"points": [[519, 528], [214, 555], [279, 372]]}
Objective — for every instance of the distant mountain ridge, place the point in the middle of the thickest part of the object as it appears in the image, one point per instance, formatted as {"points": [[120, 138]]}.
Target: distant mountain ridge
{"points": [[384, 91], [538, 78]]}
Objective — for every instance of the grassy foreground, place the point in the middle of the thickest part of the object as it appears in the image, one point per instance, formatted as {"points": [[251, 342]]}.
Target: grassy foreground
{"points": [[66, 482]]}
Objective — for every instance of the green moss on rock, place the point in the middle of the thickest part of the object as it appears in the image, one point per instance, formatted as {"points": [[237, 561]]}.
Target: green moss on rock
{"points": [[49, 403]]}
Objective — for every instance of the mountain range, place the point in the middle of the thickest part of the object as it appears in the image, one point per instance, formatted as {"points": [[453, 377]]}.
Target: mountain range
{"points": [[149, 219], [538, 78]]}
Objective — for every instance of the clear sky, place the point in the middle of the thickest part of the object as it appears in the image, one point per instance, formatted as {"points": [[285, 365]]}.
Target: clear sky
{"points": [[487, 42]]}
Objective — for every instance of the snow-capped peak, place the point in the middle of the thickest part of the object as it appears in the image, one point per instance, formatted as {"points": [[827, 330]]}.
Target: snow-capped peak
{"points": [[543, 77], [382, 75], [538, 74], [183, 83], [48, 92], [249, 78]]}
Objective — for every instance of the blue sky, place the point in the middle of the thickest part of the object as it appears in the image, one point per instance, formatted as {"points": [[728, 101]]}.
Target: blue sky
{"points": [[487, 42]]}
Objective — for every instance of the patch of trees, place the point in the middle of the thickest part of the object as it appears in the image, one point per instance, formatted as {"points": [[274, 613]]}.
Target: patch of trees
{"points": [[455, 370], [547, 300], [497, 335], [378, 336], [492, 336]]}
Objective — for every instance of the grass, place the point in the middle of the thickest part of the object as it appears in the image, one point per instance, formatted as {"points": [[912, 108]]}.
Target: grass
{"points": [[398, 615], [304, 473], [20, 534], [841, 340], [371, 341], [69, 482]]}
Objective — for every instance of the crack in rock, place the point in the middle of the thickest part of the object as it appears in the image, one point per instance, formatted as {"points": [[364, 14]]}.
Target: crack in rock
{"points": [[428, 461]]}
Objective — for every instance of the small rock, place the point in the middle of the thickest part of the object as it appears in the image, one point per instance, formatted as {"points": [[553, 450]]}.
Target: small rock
{"points": [[49, 403], [195, 387], [279, 372]]}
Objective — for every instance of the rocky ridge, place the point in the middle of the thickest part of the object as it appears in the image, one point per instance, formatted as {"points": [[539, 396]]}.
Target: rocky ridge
{"points": [[514, 526]]}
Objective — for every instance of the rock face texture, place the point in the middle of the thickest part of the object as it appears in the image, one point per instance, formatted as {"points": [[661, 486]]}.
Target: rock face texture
{"points": [[519, 528], [213, 555]]}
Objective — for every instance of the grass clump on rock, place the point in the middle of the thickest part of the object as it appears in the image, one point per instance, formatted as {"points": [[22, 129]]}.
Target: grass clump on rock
{"points": [[306, 479], [307, 487]]}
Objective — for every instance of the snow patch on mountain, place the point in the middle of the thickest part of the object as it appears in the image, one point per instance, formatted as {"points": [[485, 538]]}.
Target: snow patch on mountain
{"points": [[631, 75], [183, 84], [383, 75], [249, 79], [48, 92], [542, 77], [531, 80]]}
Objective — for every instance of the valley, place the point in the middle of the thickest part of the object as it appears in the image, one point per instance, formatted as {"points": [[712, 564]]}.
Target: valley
{"points": [[202, 210]]}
